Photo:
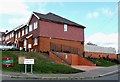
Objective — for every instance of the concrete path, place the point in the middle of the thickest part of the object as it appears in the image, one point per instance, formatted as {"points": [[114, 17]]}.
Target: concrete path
{"points": [[87, 68], [88, 74]]}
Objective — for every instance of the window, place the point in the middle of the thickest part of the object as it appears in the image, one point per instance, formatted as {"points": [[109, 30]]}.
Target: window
{"points": [[12, 34], [25, 43], [18, 34], [22, 32], [26, 30], [30, 28], [65, 27], [35, 41], [7, 37], [35, 25]]}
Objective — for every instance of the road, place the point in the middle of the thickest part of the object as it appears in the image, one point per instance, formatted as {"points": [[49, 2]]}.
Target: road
{"points": [[111, 73], [110, 77]]}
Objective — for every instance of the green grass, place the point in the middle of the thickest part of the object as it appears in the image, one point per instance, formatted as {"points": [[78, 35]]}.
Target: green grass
{"points": [[43, 64], [102, 62]]}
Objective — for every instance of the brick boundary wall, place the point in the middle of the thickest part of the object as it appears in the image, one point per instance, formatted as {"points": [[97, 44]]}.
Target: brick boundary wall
{"points": [[100, 55]]}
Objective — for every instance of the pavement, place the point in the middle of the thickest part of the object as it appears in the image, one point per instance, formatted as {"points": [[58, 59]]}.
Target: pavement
{"points": [[86, 68], [94, 73]]}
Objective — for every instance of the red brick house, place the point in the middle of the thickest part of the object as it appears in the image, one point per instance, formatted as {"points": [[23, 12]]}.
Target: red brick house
{"points": [[52, 33], [1, 38], [8, 38], [47, 31]]}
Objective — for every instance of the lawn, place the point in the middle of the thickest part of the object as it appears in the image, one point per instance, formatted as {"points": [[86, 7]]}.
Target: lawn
{"points": [[43, 64], [102, 62]]}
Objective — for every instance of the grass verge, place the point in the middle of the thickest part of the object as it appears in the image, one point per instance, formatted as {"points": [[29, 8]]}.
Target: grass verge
{"points": [[102, 62], [43, 64]]}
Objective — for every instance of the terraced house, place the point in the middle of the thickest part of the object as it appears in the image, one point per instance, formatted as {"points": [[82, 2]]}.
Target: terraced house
{"points": [[49, 33]]}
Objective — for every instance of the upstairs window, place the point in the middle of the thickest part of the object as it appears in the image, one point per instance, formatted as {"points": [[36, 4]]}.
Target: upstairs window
{"points": [[26, 30], [22, 32], [35, 41], [65, 27], [35, 25], [30, 28], [12, 34], [18, 34]]}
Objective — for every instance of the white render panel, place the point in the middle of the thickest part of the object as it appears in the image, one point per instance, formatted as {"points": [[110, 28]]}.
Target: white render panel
{"points": [[93, 48]]}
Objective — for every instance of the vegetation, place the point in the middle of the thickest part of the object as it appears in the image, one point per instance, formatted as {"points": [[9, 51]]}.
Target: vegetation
{"points": [[102, 61], [43, 64]]}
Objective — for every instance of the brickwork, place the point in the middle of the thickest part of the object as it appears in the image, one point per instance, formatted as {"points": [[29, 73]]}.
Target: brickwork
{"points": [[72, 59], [45, 44], [100, 55]]}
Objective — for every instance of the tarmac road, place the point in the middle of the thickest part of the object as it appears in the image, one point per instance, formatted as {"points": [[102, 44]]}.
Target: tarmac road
{"points": [[109, 77], [102, 73]]}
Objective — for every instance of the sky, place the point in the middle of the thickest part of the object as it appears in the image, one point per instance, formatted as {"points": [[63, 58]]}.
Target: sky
{"points": [[99, 18]]}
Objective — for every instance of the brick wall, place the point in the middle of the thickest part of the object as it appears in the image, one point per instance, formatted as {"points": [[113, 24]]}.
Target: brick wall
{"points": [[55, 58], [73, 59], [83, 61], [45, 44], [100, 55]]}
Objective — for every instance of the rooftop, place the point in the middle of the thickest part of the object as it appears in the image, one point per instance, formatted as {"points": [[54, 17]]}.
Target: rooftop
{"points": [[55, 18]]}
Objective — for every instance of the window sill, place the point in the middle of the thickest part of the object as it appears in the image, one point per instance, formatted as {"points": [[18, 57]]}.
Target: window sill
{"points": [[35, 44]]}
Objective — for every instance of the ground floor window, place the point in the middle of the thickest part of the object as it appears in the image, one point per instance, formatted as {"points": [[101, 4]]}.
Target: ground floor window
{"points": [[25, 43], [35, 41]]}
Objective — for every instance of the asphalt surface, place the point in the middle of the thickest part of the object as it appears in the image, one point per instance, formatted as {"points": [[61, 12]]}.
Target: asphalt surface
{"points": [[108, 73], [109, 77]]}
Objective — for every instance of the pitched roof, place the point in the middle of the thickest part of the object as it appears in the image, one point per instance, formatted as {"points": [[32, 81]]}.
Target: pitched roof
{"points": [[55, 18]]}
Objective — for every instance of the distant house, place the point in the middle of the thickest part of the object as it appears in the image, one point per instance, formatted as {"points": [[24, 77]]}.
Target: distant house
{"points": [[95, 51], [46, 32], [1, 38]]}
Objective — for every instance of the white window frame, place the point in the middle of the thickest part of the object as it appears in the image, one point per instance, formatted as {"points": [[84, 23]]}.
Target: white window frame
{"points": [[19, 34], [9, 36], [23, 32], [30, 27], [16, 35], [25, 43], [35, 25], [35, 41], [65, 27], [12, 34], [26, 30]]}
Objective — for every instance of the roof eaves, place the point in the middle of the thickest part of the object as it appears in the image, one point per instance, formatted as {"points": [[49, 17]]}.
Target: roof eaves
{"points": [[36, 15], [19, 27]]}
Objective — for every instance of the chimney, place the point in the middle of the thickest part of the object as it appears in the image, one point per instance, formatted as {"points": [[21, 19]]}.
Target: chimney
{"points": [[6, 30]]}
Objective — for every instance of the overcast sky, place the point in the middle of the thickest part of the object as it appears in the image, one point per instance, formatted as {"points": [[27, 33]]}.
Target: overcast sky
{"points": [[99, 18]]}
